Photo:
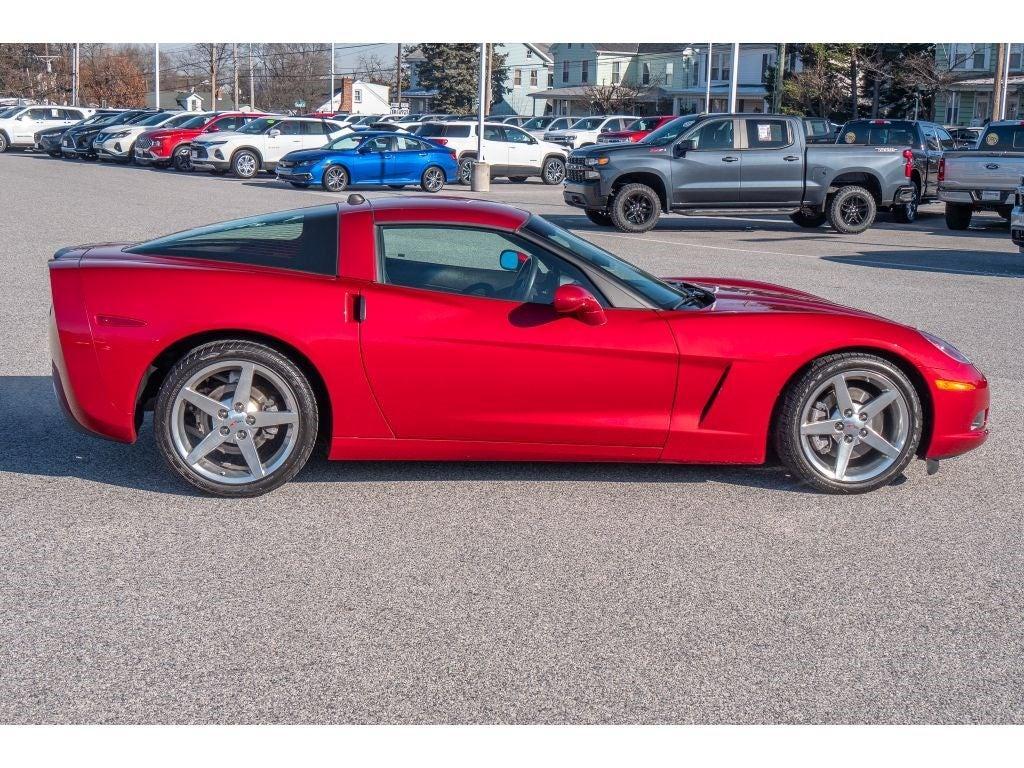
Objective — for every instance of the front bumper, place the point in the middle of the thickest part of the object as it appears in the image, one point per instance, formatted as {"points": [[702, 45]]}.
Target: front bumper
{"points": [[585, 194], [959, 418], [295, 176], [153, 154], [113, 149]]}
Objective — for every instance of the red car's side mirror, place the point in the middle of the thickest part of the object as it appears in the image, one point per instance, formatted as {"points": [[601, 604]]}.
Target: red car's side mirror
{"points": [[212, 129], [577, 301]]}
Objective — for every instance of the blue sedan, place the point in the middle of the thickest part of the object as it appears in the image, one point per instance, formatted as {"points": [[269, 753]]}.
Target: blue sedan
{"points": [[371, 158]]}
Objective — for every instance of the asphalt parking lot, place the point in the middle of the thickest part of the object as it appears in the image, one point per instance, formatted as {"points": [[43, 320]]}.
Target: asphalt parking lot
{"points": [[509, 592]]}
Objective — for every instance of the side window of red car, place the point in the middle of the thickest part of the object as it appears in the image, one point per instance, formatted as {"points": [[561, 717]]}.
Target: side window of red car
{"points": [[473, 262]]}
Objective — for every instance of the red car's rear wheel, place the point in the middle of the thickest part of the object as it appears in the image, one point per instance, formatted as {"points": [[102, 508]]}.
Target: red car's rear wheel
{"points": [[850, 424], [236, 418]]}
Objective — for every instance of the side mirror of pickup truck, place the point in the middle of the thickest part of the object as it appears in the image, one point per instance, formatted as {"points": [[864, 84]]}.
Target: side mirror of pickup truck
{"points": [[682, 147]]}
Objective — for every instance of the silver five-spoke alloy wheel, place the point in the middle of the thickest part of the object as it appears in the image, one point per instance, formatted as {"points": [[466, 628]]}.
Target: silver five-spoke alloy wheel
{"points": [[234, 422], [855, 425]]}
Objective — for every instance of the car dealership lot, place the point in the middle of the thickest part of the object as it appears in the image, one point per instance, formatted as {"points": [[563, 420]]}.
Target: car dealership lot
{"points": [[509, 592]]}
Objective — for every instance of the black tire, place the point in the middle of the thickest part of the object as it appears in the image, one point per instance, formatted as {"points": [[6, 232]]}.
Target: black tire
{"points": [[54, 154], [181, 159], [335, 179], [808, 219], [553, 171], [432, 179], [518, 179], [5, 143], [245, 164], [1006, 211], [601, 218], [466, 170], [958, 215], [906, 213], [635, 208], [851, 210], [231, 350], [130, 160], [786, 429]]}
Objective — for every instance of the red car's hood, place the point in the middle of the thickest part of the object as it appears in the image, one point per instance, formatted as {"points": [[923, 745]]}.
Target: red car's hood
{"points": [[632, 135], [164, 133], [733, 295]]}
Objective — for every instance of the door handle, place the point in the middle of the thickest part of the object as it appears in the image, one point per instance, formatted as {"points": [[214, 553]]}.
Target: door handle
{"points": [[730, 159], [791, 158]]}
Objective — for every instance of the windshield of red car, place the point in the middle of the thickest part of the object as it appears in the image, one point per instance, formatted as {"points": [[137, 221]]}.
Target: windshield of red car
{"points": [[659, 293], [197, 121]]}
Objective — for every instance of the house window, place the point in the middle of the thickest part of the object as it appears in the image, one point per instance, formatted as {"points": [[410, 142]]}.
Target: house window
{"points": [[615, 72], [565, 71], [721, 66], [968, 56], [357, 95], [766, 63], [533, 78], [585, 73], [952, 108], [529, 53], [1015, 55], [670, 68], [647, 73], [518, 77], [981, 108]]}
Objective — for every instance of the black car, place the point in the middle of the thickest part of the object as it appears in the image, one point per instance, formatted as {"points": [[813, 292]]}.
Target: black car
{"points": [[76, 142]]}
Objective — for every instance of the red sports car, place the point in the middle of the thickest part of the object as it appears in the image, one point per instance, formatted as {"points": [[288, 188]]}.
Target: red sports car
{"points": [[452, 329], [164, 147]]}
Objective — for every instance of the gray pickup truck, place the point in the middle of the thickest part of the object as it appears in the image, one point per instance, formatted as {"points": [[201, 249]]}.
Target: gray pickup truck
{"points": [[737, 161], [985, 178]]}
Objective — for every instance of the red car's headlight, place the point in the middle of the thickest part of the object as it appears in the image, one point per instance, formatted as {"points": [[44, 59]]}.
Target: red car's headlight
{"points": [[948, 348]]}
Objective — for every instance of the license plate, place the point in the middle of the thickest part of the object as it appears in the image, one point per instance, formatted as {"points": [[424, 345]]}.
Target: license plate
{"points": [[991, 195]]}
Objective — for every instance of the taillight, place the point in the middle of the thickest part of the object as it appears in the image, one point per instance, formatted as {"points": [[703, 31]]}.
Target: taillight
{"points": [[908, 166], [942, 169], [440, 141]]}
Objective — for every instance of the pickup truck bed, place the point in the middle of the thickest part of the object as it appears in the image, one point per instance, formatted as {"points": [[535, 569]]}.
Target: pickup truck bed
{"points": [[742, 161], [983, 179]]}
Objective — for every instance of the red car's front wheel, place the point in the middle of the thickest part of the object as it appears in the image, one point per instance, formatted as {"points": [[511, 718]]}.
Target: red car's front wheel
{"points": [[850, 424], [236, 418]]}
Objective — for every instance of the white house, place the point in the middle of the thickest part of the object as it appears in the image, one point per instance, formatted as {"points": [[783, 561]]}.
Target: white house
{"points": [[359, 97]]}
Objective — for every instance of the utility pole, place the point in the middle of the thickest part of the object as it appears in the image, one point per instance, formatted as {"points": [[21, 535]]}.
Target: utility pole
{"points": [[734, 80], [234, 65], [75, 82], [156, 72], [997, 83], [707, 76], [398, 78], [213, 75], [252, 81], [332, 79], [780, 73], [488, 91], [1003, 111]]}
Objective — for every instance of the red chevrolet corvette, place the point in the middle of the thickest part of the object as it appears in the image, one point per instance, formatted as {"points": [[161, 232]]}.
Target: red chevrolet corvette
{"points": [[450, 329]]}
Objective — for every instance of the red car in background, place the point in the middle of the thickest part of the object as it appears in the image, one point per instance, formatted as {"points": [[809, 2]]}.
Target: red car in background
{"points": [[166, 147], [636, 130], [464, 330]]}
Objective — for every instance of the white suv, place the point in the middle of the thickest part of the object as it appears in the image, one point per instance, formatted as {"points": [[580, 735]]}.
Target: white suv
{"points": [[585, 131], [510, 151], [261, 144], [538, 126], [19, 125], [117, 142]]}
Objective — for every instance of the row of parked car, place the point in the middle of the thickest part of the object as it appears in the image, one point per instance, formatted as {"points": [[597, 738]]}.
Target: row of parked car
{"points": [[723, 161]]}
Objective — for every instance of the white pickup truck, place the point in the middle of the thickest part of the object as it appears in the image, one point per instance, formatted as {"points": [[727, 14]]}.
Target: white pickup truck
{"points": [[983, 179]]}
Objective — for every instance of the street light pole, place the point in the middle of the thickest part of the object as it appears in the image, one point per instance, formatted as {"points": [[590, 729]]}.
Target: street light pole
{"points": [[1006, 82], [480, 181], [735, 76], [398, 78], [707, 76]]}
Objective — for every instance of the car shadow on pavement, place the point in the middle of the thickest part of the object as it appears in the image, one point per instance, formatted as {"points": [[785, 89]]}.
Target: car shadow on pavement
{"points": [[949, 261], [675, 224], [48, 446]]}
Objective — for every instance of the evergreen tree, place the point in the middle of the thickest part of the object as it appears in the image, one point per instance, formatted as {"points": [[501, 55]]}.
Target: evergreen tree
{"points": [[453, 70]]}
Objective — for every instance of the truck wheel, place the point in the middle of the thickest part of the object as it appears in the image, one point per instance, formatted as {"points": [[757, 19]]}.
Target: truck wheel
{"points": [[808, 219], [1005, 211], [907, 212], [958, 215], [851, 210], [601, 218], [635, 208]]}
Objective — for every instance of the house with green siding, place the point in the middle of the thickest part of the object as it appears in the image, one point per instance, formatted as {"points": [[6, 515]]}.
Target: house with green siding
{"points": [[968, 100]]}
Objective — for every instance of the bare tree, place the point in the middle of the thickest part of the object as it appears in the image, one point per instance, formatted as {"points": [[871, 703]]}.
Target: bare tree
{"points": [[616, 97]]}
